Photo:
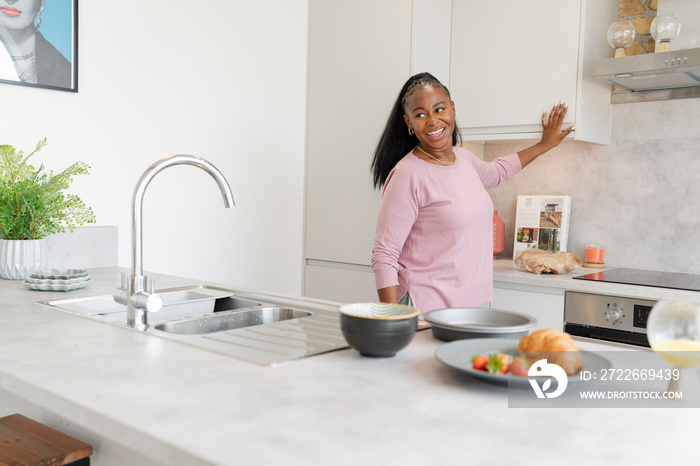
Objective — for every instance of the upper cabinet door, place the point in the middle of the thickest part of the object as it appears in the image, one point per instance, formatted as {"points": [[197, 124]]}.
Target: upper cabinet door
{"points": [[512, 60]]}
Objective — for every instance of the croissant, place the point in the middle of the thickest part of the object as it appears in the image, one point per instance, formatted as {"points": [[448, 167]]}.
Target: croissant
{"points": [[556, 346]]}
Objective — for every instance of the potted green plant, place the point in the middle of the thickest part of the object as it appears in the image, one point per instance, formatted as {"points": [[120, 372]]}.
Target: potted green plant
{"points": [[34, 205]]}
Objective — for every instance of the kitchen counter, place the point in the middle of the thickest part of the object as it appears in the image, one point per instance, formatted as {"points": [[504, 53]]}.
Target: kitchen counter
{"points": [[140, 399], [506, 273]]}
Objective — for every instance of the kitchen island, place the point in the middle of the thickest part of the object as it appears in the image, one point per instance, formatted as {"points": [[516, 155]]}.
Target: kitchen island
{"points": [[140, 399]]}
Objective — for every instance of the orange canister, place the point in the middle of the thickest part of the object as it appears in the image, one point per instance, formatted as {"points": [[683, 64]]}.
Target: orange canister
{"points": [[499, 234]]}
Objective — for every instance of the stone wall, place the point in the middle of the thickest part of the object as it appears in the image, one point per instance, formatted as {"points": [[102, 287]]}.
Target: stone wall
{"points": [[641, 13]]}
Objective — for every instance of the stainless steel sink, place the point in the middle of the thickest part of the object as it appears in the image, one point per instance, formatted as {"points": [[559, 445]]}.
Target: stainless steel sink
{"points": [[230, 320], [264, 329], [177, 304]]}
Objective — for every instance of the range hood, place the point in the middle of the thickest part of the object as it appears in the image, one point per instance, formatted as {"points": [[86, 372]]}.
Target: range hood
{"points": [[673, 74]]}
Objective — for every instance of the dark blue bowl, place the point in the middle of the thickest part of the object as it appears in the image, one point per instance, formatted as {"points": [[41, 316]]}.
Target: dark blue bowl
{"points": [[378, 330]]}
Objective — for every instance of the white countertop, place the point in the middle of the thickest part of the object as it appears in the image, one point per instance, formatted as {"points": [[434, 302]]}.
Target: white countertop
{"points": [[183, 405], [505, 272]]}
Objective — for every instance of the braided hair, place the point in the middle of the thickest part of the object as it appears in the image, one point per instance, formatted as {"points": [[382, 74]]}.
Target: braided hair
{"points": [[395, 142]]}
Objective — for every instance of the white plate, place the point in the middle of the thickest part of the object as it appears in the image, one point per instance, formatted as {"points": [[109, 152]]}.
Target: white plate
{"points": [[458, 354], [60, 274], [56, 286]]}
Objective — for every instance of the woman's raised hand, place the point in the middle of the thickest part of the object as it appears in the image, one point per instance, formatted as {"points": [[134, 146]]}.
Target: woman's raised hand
{"points": [[552, 134]]}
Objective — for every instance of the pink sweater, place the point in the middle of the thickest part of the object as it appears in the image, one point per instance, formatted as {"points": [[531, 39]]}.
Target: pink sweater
{"points": [[434, 235]]}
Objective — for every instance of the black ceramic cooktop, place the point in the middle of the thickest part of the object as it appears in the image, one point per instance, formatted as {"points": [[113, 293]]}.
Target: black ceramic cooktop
{"points": [[673, 280]]}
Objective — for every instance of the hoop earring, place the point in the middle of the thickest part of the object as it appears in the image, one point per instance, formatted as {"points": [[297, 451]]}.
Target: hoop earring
{"points": [[38, 21], [410, 131]]}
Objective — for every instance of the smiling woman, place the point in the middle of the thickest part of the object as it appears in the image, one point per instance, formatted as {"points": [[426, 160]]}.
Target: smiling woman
{"points": [[27, 56], [433, 243]]}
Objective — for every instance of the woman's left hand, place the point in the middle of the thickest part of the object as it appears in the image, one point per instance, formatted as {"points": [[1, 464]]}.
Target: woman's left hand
{"points": [[552, 134]]}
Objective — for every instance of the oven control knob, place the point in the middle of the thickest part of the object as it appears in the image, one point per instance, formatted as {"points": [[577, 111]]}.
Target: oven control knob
{"points": [[613, 314]]}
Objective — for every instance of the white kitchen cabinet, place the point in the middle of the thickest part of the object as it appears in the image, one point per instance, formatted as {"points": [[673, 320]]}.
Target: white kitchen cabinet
{"points": [[342, 283], [544, 304], [360, 54], [511, 60]]}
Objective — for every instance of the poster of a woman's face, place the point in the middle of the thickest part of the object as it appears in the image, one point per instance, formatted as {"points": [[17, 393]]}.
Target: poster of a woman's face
{"points": [[38, 43]]}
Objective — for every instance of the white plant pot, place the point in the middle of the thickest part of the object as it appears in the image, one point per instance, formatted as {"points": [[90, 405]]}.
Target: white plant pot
{"points": [[21, 258]]}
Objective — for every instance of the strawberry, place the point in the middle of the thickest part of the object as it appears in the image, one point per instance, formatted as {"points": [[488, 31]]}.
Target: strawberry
{"points": [[498, 363], [519, 366], [479, 362]]}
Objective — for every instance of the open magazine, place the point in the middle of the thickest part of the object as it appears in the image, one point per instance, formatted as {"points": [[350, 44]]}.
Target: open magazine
{"points": [[542, 222]]}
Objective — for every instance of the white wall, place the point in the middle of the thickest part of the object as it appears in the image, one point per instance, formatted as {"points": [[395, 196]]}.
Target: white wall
{"points": [[689, 15], [223, 80]]}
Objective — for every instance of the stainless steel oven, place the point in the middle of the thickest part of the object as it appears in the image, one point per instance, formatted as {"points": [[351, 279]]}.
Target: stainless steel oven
{"points": [[604, 317], [617, 318]]}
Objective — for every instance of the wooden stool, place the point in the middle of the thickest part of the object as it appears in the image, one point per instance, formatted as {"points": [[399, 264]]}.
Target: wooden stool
{"points": [[24, 442]]}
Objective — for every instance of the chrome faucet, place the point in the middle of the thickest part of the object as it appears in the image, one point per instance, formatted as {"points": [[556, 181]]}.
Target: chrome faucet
{"points": [[139, 294]]}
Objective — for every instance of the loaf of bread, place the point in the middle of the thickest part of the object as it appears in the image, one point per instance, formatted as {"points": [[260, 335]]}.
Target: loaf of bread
{"points": [[555, 346], [538, 261]]}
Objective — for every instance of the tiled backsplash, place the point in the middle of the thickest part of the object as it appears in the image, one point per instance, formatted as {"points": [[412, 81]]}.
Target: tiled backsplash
{"points": [[640, 195]]}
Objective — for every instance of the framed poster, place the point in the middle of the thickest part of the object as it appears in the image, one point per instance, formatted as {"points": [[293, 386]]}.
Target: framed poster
{"points": [[39, 43]]}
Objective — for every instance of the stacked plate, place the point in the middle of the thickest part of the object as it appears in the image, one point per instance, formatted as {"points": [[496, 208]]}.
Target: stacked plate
{"points": [[58, 280], [462, 323]]}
